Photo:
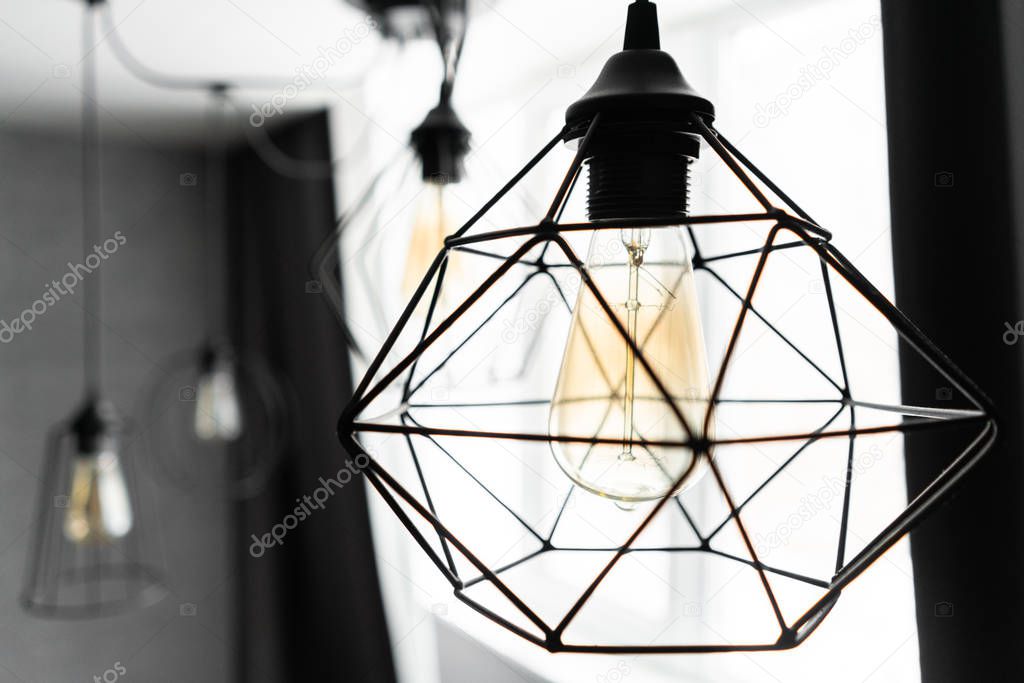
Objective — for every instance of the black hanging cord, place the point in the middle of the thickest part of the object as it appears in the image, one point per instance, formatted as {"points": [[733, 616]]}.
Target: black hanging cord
{"points": [[92, 212], [166, 81], [449, 19], [213, 202], [276, 159]]}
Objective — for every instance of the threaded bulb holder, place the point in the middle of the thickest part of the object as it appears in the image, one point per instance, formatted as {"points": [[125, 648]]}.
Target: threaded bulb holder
{"points": [[441, 143], [641, 176]]}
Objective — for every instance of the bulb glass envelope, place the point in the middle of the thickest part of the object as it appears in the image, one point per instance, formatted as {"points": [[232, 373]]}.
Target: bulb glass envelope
{"points": [[385, 241], [93, 553], [471, 477]]}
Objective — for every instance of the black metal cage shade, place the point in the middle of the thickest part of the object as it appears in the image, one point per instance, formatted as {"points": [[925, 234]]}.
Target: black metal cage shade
{"points": [[437, 470], [377, 231]]}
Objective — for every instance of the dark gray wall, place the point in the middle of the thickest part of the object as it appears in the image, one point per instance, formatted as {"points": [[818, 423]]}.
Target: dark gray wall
{"points": [[154, 290]]}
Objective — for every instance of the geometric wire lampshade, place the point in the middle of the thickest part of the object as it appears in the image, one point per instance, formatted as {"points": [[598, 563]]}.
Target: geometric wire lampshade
{"points": [[388, 235], [386, 239], [390, 210], [211, 452], [736, 481], [217, 418]]}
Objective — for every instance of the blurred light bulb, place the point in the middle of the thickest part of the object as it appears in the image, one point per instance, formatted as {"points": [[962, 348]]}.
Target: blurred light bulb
{"points": [[432, 224], [218, 409], [646, 277], [99, 510]]}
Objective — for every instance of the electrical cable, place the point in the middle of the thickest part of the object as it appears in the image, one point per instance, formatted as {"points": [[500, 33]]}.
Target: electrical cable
{"points": [[158, 79], [450, 39], [214, 187], [92, 209], [277, 159], [260, 141]]}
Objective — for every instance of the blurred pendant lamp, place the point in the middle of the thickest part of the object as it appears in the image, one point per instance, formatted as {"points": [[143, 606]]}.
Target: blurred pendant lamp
{"points": [[389, 235], [218, 417], [629, 410], [441, 143], [90, 555]]}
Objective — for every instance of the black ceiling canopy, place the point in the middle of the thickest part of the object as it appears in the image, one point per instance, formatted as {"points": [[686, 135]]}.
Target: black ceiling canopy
{"points": [[401, 19]]}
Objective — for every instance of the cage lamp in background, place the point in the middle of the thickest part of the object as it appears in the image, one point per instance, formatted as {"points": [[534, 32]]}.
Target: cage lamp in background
{"points": [[668, 453], [218, 417], [388, 236]]}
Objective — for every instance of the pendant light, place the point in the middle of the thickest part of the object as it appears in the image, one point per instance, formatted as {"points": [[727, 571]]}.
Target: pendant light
{"points": [[546, 503], [89, 556], [218, 418], [420, 179], [218, 406], [387, 238]]}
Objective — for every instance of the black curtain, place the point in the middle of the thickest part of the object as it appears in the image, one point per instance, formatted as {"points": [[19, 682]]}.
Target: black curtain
{"points": [[310, 609], [955, 249]]}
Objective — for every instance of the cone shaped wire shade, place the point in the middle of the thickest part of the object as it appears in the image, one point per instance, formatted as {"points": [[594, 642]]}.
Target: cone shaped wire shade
{"points": [[90, 557]]}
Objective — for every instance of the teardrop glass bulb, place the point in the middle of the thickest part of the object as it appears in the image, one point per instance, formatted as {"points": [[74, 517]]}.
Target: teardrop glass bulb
{"points": [[99, 509], [433, 222], [218, 412], [604, 392]]}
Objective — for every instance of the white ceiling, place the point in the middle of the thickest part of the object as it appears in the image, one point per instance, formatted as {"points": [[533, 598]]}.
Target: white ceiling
{"points": [[40, 50]]}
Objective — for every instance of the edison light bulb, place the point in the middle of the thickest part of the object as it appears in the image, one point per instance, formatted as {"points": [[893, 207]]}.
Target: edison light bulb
{"points": [[99, 510], [218, 410], [432, 224], [604, 392]]}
